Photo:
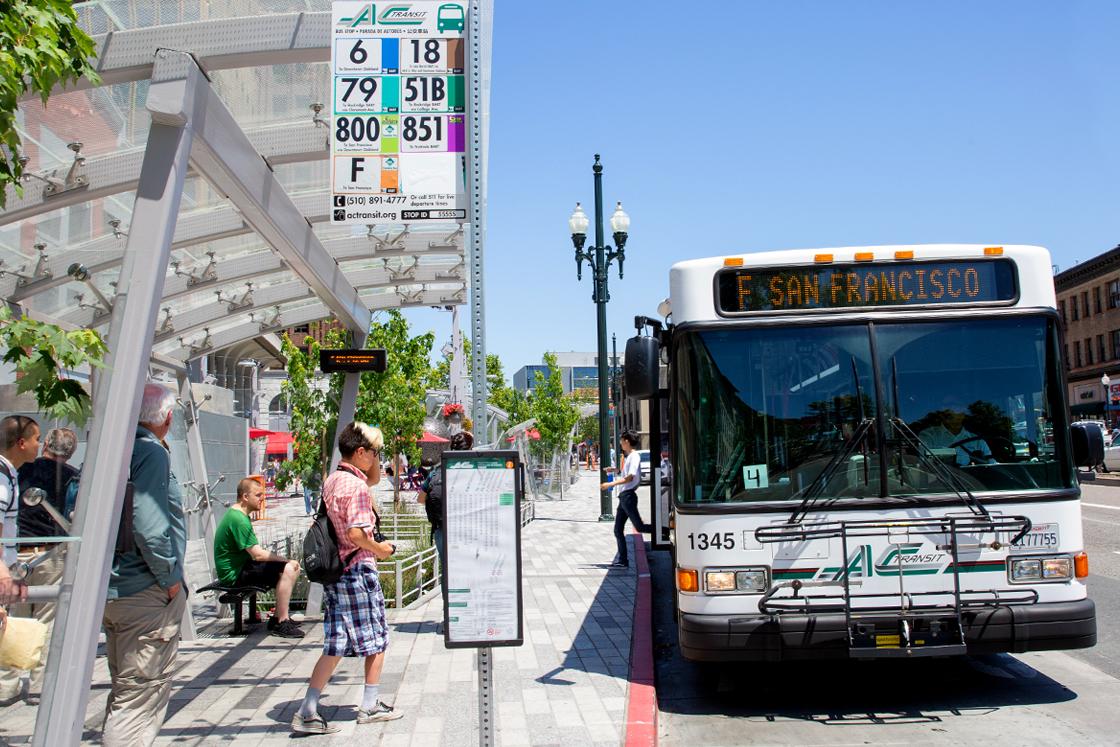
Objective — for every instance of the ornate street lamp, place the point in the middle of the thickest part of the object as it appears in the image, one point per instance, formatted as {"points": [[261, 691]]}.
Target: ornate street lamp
{"points": [[599, 258], [1105, 381]]}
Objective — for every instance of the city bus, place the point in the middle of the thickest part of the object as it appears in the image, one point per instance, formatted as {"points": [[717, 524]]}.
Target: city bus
{"points": [[870, 454]]}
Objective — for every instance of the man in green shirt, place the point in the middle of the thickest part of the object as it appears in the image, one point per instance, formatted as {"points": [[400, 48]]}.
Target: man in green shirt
{"points": [[241, 561]]}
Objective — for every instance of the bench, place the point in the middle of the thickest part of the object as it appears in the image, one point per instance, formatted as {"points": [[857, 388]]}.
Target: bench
{"points": [[233, 596]]}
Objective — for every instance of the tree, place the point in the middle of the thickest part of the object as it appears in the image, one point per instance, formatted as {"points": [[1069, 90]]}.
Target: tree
{"points": [[588, 429], [555, 413], [314, 409], [41, 46], [395, 401], [42, 353], [498, 393]]}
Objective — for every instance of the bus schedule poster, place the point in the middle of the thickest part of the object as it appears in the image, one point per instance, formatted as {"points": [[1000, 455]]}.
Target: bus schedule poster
{"points": [[398, 128], [482, 529]]}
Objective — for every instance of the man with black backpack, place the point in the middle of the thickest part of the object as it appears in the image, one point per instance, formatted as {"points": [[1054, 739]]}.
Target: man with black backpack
{"points": [[431, 498], [354, 619]]}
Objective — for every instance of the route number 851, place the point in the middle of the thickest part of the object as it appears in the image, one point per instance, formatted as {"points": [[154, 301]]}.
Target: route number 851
{"points": [[702, 541]]}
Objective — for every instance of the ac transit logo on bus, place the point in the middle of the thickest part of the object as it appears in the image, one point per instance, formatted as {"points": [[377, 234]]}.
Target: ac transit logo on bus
{"points": [[400, 14], [907, 559]]}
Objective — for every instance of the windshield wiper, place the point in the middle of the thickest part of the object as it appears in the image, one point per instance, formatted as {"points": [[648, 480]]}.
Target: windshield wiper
{"points": [[816, 486], [929, 459]]}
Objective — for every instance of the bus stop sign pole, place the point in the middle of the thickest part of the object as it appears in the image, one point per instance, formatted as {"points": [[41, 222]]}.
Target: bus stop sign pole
{"points": [[485, 697]]}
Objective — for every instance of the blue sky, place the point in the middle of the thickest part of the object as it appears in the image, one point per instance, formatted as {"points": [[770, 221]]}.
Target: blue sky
{"points": [[729, 127]]}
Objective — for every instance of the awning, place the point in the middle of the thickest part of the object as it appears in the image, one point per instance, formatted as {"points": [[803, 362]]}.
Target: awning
{"points": [[278, 442], [259, 433], [431, 438]]}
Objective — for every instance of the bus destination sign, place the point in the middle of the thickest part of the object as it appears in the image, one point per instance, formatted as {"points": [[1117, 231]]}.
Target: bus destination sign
{"points": [[807, 288], [352, 361]]}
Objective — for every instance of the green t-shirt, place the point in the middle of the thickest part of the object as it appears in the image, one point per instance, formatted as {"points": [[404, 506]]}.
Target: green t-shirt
{"points": [[234, 536]]}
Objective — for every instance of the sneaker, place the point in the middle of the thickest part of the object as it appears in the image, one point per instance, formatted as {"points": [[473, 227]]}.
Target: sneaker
{"points": [[380, 712], [312, 724], [287, 629]]}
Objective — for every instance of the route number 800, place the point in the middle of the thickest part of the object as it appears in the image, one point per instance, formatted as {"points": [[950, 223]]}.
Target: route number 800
{"points": [[357, 129]]}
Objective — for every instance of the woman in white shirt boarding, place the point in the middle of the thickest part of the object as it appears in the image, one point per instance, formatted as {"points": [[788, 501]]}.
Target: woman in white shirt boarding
{"points": [[627, 498]]}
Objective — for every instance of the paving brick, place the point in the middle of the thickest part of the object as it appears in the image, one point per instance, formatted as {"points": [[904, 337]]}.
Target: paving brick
{"points": [[566, 686]]}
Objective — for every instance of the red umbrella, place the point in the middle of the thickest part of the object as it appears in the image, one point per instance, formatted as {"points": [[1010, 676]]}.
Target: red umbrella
{"points": [[431, 438], [259, 433]]}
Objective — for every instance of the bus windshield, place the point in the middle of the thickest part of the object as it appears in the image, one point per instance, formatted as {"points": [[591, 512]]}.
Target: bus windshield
{"points": [[883, 410]]}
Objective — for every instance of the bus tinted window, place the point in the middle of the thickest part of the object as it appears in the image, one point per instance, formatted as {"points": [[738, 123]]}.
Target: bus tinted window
{"points": [[767, 413]]}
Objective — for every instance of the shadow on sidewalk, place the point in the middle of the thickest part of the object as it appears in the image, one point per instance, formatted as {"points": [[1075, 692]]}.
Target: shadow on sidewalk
{"points": [[601, 645]]}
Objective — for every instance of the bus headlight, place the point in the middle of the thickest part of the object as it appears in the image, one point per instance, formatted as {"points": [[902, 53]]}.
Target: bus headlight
{"points": [[753, 580], [1040, 569]]}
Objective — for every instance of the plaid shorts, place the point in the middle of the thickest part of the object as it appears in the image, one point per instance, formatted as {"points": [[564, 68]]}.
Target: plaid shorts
{"points": [[354, 622]]}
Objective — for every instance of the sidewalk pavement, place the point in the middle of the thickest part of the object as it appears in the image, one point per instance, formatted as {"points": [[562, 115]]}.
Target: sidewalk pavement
{"points": [[567, 685]]}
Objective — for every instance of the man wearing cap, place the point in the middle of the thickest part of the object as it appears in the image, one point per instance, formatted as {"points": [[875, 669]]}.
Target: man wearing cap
{"points": [[241, 561]]}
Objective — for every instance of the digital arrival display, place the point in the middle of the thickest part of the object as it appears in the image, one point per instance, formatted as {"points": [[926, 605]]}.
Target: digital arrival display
{"points": [[399, 121], [744, 290]]}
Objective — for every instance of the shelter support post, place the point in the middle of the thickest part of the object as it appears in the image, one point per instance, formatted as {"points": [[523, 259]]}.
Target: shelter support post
{"points": [[116, 406], [198, 502]]}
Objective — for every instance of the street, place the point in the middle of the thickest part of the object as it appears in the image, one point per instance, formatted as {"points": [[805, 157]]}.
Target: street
{"points": [[1100, 503], [1035, 698]]}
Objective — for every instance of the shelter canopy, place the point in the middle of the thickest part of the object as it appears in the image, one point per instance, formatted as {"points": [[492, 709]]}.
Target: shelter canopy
{"points": [[267, 61]]}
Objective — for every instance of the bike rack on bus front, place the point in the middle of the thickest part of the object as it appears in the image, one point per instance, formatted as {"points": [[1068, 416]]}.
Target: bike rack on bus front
{"points": [[910, 606]]}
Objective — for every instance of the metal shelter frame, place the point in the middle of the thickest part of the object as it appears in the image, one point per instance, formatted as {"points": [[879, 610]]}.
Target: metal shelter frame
{"points": [[164, 313]]}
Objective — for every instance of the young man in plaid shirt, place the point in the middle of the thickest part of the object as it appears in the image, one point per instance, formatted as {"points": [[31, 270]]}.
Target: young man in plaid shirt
{"points": [[354, 623]]}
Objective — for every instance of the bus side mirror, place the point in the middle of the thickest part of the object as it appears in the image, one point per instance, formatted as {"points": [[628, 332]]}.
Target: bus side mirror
{"points": [[641, 372], [1088, 444]]}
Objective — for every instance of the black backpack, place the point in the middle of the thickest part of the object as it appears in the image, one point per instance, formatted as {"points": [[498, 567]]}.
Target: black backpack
{"points": [[320, 550], [433, 504]]}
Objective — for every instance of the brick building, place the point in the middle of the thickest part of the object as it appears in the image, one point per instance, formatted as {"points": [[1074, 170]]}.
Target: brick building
{"points": [[1089, 304]]}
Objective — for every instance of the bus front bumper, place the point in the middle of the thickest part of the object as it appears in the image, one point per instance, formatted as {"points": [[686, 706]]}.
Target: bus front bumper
{"points": [[1035, 627]]}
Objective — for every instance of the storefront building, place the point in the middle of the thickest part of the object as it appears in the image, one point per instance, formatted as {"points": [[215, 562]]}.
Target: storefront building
{"points": [[1089, 306]]}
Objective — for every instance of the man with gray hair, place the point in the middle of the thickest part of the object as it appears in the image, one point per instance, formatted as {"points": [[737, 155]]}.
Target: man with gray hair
{"points": [[146, 595]]}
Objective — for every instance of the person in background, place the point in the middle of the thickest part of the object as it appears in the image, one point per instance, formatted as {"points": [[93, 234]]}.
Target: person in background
{"points": [[19, 444], [241, 561], [431, 498], [628, 498], [354, 620], [51, 474], [146, 594], [311, 481]]}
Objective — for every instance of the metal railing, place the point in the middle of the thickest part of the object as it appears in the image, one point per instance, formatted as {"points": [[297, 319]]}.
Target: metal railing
{"points": [[406, 587]]}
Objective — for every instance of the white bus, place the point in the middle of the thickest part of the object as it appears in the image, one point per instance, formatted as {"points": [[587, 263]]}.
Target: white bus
{"points": [[870, 454]]}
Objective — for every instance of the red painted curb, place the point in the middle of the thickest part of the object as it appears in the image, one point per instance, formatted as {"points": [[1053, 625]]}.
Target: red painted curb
{"points": [[641, 698]]}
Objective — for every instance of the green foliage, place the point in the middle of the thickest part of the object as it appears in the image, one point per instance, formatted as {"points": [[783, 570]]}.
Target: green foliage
{"points": [[588, 429], [394, 400], [498, 392], [314, 410], [40, 353], [555, 413], [41, 46]]}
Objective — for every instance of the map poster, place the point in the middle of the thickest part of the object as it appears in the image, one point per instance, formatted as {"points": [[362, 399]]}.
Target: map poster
{"points": [[398, 129], [482, 527]]}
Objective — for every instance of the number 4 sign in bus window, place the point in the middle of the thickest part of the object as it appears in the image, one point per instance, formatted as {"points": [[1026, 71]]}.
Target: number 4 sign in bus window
{"points": [[755, 477]]}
